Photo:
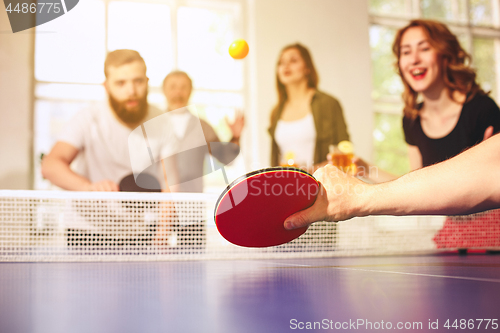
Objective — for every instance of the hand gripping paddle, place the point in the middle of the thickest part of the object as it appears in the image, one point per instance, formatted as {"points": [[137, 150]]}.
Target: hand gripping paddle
{"points": [[251, 211]]}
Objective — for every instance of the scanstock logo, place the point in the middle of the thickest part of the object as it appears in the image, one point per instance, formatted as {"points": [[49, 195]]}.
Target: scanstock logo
{"points": [[26, 14]]}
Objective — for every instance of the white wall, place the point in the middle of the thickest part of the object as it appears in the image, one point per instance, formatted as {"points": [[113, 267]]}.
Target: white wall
{"points": [[336, 33], [16, 72]]}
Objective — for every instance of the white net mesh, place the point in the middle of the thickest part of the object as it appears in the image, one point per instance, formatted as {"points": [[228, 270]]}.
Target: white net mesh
{"points": [[90, 226]]}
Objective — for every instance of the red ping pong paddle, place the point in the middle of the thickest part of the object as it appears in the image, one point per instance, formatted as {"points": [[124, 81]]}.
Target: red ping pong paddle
{"points": [[251, 211]]}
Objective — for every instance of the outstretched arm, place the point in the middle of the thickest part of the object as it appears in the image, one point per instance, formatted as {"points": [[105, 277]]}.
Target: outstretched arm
{"points": [[222, 151], [467, 183], [236, 126]]}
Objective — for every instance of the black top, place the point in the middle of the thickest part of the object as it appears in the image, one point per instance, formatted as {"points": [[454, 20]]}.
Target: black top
{"points": [[476, 115]]}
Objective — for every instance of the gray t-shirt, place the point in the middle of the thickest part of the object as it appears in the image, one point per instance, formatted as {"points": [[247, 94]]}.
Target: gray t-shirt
{"points": [[194, 142], [104, 144]]}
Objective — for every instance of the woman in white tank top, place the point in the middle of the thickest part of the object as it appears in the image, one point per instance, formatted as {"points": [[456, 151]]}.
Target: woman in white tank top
{"points": [[305, 121]]}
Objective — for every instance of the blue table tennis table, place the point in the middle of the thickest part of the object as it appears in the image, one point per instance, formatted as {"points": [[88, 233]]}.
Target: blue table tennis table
{"points": [[427, 293]]}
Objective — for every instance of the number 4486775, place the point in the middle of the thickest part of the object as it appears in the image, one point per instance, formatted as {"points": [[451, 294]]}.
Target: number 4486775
{"points": [[463, 324], [33, 8]]}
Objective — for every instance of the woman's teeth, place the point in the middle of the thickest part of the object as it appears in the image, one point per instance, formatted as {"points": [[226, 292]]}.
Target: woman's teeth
{"points": [[417, 72]]}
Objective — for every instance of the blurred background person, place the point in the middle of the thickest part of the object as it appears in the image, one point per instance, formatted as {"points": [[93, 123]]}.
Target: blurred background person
{"points": [[177, 87], [306, 121], [100, 133]]}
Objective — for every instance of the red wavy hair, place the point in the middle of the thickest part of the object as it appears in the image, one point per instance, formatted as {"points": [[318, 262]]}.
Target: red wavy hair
{"points": [[455, 63]]}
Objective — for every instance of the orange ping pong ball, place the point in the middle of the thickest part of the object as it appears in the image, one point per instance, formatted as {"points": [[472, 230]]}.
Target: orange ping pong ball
{"points": [[238, 49]]}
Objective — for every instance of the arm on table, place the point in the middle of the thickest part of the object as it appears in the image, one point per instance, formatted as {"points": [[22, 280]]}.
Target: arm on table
{"points": [[465, 184], [56, 168]]}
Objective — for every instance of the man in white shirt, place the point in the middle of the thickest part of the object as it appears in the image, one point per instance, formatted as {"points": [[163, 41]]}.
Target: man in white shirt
{"points": [[100, 133], [177, 87]]}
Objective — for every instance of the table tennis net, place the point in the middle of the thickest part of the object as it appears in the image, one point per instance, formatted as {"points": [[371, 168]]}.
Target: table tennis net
{"points": [[85, 226]]}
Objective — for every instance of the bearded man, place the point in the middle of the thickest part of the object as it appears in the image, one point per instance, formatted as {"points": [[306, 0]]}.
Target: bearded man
{"points": [[100, 133]]}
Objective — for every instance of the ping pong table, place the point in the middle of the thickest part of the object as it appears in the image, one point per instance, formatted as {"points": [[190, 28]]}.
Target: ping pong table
{"points": [[280, 295], [113, 275]]}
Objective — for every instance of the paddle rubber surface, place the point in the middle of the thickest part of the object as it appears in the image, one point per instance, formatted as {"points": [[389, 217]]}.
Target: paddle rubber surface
{"points": [[251, 211]]}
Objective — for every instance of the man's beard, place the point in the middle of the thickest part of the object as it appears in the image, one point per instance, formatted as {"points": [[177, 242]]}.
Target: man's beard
{"points": [[130, 116]]}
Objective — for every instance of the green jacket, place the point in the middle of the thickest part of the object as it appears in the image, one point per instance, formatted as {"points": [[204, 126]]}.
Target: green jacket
{"points": [[328, 121]]}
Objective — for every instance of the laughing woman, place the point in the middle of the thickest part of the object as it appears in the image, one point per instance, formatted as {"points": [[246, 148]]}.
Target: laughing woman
{"points": [[454, 113]]}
